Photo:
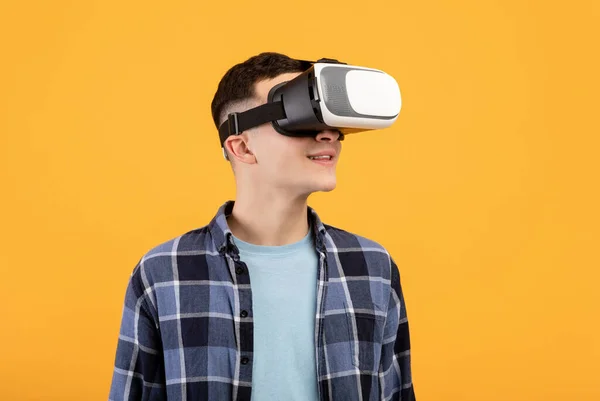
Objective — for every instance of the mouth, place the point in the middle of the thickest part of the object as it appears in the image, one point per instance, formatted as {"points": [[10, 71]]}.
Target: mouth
{"points": [[324, 160]]}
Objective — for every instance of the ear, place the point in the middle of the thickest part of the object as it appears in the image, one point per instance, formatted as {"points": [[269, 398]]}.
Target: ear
{"points": [[237, 147]]}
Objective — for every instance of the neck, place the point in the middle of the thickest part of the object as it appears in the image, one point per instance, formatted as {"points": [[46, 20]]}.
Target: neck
{"points": [[263, 219]]}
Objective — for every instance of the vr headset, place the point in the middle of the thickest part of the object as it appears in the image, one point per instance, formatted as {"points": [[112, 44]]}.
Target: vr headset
{"points": [[328, 95]]}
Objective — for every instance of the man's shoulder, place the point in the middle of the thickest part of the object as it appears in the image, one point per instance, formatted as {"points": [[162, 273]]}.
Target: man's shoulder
{"points": [[195, 241], [342, 238], [358, 254], [156, 264]]}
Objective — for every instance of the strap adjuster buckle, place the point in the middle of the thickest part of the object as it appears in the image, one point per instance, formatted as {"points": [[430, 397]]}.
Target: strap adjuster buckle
{"points": [[233, 124]]}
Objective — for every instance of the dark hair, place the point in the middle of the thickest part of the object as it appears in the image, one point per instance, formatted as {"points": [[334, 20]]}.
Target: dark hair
{"points": [[238, 83]]}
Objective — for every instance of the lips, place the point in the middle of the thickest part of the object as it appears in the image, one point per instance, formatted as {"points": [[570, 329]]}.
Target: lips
{"points": [[325, 158], [328, 154]]}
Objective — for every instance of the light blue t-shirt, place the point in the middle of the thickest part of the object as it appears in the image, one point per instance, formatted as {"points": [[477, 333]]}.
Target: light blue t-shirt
{"points": [[284, 298]]}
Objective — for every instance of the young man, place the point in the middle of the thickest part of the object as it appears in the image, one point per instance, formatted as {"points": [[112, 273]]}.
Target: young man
{"points": [[266, 302]]}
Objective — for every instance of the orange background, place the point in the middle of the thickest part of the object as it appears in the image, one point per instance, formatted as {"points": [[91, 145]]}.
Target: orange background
{"points": [[485, 191]]}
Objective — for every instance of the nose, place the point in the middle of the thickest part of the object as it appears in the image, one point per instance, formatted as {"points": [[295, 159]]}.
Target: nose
{"points": [[329, 136]]}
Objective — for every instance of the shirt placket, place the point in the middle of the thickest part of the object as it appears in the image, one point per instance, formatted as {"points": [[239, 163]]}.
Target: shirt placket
{"points": [[321, 293], [243, 323]]}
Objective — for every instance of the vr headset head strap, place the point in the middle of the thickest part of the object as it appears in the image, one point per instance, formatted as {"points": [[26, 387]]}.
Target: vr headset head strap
{"points": [[237, 123]]}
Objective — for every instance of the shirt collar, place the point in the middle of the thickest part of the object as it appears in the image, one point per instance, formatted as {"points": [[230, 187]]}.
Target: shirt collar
{"points": [[221, 234]]}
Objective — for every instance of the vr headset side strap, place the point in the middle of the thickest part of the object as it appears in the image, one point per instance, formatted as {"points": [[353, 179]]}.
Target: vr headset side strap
{"points": [[237, 123]]}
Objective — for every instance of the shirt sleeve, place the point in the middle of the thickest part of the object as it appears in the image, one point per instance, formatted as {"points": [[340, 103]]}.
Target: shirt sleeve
{"points": [[139, 365], [395, 374]]}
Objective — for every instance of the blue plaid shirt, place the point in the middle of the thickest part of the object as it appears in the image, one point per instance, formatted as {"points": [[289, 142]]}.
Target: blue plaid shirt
{"points": [[187, 325]]}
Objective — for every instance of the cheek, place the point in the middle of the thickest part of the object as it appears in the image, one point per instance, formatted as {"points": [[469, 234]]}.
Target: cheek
{"points": [[288, 153], [282, 155], [289, 159]]}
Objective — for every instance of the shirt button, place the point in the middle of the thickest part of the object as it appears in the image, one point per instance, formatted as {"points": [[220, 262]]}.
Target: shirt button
{"points": [[244, 313], [239, 270], [245, 361]]}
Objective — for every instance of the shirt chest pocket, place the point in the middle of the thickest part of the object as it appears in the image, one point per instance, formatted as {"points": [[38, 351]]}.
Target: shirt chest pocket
{"points": [[365, 331]]}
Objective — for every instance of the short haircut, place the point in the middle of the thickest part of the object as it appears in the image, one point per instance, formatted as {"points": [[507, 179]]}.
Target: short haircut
{"points": [[237, 85]]}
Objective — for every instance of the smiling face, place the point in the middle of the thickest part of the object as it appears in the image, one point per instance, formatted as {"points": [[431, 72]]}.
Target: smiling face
{"points": [[271, 161]]}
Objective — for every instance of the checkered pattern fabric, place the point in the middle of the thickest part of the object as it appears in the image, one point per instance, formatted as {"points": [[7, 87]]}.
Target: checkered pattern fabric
{"points": [[187, 325]]}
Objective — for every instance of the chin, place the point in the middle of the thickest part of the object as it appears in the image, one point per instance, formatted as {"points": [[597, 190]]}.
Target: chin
{"points": [[326, 186], [322, 185]]}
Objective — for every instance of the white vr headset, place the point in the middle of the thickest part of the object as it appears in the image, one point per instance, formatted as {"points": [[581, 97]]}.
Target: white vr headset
{"points": [[328, 95]]}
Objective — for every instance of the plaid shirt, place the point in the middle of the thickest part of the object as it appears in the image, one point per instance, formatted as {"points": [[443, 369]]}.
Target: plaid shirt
{"points": [[187, 325]]}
